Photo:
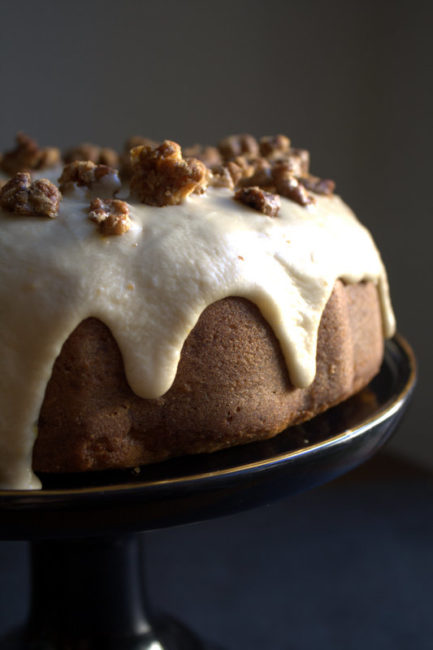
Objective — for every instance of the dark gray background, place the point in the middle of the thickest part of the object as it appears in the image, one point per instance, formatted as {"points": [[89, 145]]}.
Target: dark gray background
{"points": [[351, 81]]}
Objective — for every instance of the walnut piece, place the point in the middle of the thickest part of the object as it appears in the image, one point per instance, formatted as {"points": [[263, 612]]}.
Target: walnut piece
{"points": [[94, 153], [274, 146], [210, 156], [221, 177], [125, 158], [111, 215], [299, 160], [261, 175], [289, 186], [138, 141], [260, 200], [241, 173], [22, 196], [28, 156], [239, 145], [318, 185], [231, 173], [98, 179], [271, 164], [160, 176]]}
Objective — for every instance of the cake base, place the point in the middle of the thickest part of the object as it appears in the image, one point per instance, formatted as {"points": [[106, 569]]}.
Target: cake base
{"points": [[232, 386]]}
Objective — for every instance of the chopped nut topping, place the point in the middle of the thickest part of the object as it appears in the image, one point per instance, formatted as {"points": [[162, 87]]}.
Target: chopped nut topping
{"points": [[221, 177], [49, 157], [125, 158], [270, 164], [261, 175], [99, 179], [232, 173], [287, 185], [238, 169], [44, 198], [260, 200], [137, 141], [274, 146], [238, 145], [28, 156], [94, 153], [210, 156], [292, 189], [111, 215], [244, 163], [318, 185], [22, 196], [160, 176], [299, 160]]}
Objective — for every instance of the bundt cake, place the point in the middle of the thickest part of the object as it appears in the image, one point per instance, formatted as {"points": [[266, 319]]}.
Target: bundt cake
{"points": [[227, 295]]}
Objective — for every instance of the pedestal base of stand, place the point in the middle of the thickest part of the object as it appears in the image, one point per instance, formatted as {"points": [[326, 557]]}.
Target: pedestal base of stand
{"points": [[89, 594], [167, 634]]}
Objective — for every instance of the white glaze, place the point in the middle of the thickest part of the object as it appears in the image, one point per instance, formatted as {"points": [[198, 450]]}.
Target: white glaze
{"points": [[150, 285]]}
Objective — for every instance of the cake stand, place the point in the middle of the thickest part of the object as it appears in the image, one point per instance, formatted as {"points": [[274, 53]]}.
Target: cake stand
{"points": [[87, 591]]}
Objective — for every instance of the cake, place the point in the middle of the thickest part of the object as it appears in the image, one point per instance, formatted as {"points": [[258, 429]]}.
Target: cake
{"points": [[228, 295]]}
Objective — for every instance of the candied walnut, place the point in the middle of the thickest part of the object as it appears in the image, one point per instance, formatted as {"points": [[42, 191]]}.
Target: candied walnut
{"points": [[210, 156], [297, 160], [318, 185], [261, 175], [22, 196], [300, 161], [108, 157], [244, 163], [44, 198], [111, 215], [49, 157], [100, 179], [28, 156], [260, 200], [274, 146], [94, 153], [221, 177], [160, 176], [138, 141], [238, 145], [289, 186], [14, 195], [232, 173], [237, 170], [125, 158]]}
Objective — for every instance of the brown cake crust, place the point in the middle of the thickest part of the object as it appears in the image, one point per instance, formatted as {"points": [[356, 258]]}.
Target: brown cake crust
{"points": [[231, 387]]}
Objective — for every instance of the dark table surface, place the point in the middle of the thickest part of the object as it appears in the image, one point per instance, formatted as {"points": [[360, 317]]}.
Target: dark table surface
{"points": [[348, 565]]}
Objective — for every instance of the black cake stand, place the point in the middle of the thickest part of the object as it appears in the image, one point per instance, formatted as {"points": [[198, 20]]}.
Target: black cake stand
{"points": [[87, 591]]}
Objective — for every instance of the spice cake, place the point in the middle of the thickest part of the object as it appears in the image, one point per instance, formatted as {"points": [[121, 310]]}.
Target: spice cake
{"points": [[230, 295]]}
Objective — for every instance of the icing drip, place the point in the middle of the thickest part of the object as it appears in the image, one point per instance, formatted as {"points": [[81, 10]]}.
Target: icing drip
{"points": [[150, 286]]}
